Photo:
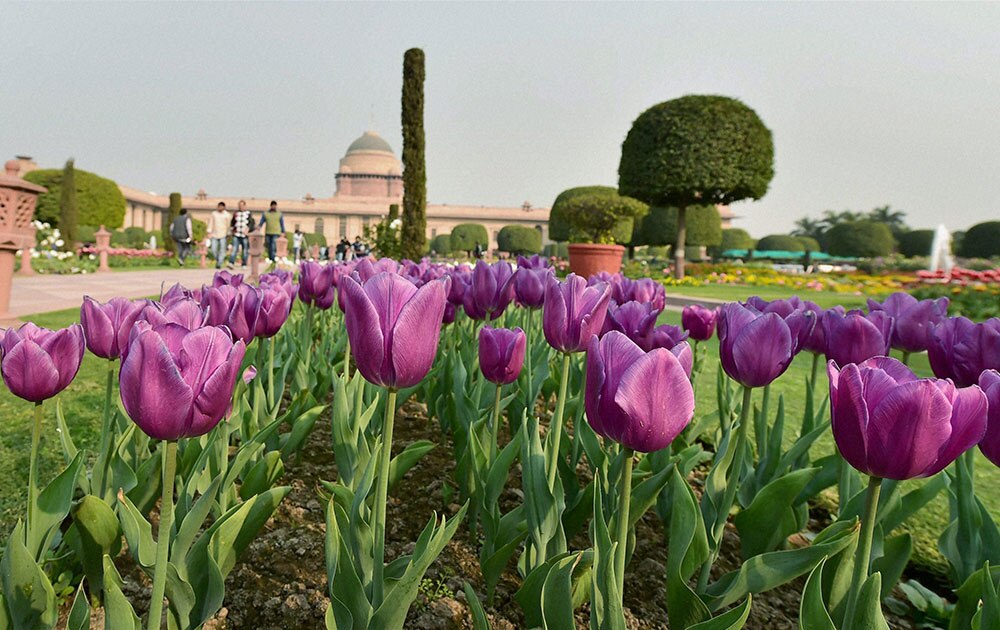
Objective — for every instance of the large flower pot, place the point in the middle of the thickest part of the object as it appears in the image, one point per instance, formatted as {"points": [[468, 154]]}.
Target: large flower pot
{"points": [[586, 259]]}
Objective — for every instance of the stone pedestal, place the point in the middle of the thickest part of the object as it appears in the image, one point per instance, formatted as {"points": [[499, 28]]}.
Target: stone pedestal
{"points": [[202, 252], [256, 251], [282, 247], [26, 246], [17, 207], [103, 239], [314, 252]]}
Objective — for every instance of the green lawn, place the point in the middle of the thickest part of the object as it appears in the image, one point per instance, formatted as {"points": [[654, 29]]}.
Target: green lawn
{"points": [[732, 293]]}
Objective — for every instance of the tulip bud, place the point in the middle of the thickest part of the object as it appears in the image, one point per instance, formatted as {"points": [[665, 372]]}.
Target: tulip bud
{"points": [[913, 319], [38, 363], [854, 337], [989, 382], [699, 321], [316, 284], [574, 312], [501, 354], [962, 350], [106, 327], [756, 348]]}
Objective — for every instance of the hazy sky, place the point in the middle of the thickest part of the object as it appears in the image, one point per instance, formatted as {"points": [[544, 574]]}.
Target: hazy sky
{"points": [[869, 104]]}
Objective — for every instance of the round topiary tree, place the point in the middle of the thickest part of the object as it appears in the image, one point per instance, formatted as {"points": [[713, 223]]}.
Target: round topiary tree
{"points": [[464, 237], [981, 240], [864, 239], [99, 200], [736, 238], [593, 214], [780, 242], [693, 150], [519, 240], [441, 244], [916, 243], [809, 243], [659, 226]]}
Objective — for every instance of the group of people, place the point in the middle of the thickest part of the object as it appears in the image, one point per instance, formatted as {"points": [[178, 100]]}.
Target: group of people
{"points": [[346, 250]]}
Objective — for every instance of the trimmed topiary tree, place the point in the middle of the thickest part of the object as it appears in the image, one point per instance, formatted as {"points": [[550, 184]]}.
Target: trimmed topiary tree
{"points": [[464, 237], [441, 244], [68, 213], [659, 226], [99, 200], [809, 243], [864, 239], [916, 243], [557, 250], [519, 240], [981, 240], [693, 150], [168, 219], [780, 242], [736, 238], [413, 235], [593, 214]]}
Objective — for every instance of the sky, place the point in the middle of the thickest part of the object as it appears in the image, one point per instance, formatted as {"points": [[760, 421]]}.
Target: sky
{"points": [[869, 104]]}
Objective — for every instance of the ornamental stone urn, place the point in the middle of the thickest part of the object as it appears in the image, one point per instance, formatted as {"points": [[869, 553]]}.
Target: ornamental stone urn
{"points": [[17, 208], [103, 239], [256, 252], [281, 248]]}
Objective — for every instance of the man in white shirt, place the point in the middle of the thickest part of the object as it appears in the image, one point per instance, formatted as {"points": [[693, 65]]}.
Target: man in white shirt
{"points": [[218, 229], [298, 240]]}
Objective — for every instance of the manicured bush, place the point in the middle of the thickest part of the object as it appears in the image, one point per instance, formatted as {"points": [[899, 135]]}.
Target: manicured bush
{"points": [[736, 238], [68, 213], [809, 244], [99, 200], [863, 239], [200, 231], [659, 226], [593, 214], [981, 240], [85, 234], [780, 242], [693, 150], [464, 237], [519, 240], [166, 242], [557, 250], [441, 244], [916, 243], [312, 238]]}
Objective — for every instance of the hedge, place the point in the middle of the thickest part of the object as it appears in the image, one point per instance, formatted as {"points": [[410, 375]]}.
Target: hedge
{"points": [[981, 240], [916, 243], [99, 200], [464, 237], [809, 243], [659, 227], [780, 242], [441, 244], [736, 238], [864, 239], [557, 250], [519, 240]]}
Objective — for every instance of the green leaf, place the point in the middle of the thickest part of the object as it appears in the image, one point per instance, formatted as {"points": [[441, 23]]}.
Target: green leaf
{"points": [[688, 549], [605, 597], [118, 613], [896, 552], [479, 620], [69, 447], [79, 613], [264, 474], [761, 524], [406, 459], [139, 534], [557, 595], [301, 427], [868, 614], [96, 534], [51, 507], [812, 610], [730, 620], [28, 594], [972, 591], [645, 493], [193, 521]]}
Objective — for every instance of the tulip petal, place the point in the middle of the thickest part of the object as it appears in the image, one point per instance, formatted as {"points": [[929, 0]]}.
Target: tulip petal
{"points": [[215, 394], [906, 430], [364, 330], [657, 397], [66, 348], [849, 414], [153, 391], [416, 332], [762, 350], [30, 372], [968, 427]]}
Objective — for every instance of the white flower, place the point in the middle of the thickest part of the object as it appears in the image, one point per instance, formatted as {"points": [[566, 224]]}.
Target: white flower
{"points": [[60, 243], [92, 257], [396, 224]]}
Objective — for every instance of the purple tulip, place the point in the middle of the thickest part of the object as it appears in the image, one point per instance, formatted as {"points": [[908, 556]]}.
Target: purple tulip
{"points": [[179, 292], [106, 327], [501, 354], [783, 307], [217, 302], [888, 423], [989, 382], [644, 290], [449, 313], [699, 321], [177, 383], [816, 342], [491, 290], [185, 312], [244, 313], [275, 305], [962, 350], [393, 327], [534, 262], [634, 319], [316, 284], [223, 278], [674, 339], [574, 312], [755, 347], [461, 281], [530, 283], [854, 337], [279, 278], [642, 400], [249, 374], [38, 363], [914, 319]]}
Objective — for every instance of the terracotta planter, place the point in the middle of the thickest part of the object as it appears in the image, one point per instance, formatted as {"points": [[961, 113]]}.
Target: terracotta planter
{"points": [[586, 259]]}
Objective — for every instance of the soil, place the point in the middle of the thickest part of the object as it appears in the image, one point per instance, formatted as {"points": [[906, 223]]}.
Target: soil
{"points": [[280, 582]]}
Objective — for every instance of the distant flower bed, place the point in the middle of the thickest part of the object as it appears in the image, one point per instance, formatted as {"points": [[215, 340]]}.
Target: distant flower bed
{"points": [[127, 252]]}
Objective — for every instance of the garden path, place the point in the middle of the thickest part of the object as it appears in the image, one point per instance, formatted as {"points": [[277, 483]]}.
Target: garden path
{"points": [[44, 293]]}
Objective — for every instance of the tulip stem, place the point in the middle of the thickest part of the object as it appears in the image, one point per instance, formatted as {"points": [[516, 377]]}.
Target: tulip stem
{"points": [[104, 457], [555, 427], [347, 359], [380, 499], [862, 557], [163, 535], [307, 337], [495, 426], [906, 357], [529, 388], [36, 435], [624, 500], [270, 375]]}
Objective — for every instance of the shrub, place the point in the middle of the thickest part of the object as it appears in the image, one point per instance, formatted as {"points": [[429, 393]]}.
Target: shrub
{"points": [[863, 239], [780, 242], [659, 226], [557, 250], [519, 240], [85, 234], [199, 229], [464, 237], [312, 238], [736, 238], [99, 200], [809, 244], [916, 243], [981, 240], [694, 150], [168, 220], [593, 214], [68, 213], [441, 244]]}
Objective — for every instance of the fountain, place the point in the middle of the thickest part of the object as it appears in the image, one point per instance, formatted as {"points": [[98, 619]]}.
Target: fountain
{"points": [[941, 258]]}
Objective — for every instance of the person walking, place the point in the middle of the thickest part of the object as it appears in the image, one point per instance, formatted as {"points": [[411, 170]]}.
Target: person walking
{"points": [[298, 240], [180, 231], [242, 225], [218, 228], [273, 223]]}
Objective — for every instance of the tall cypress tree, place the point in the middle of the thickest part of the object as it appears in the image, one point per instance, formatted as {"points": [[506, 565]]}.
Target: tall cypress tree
{"points": [[172, 213], [67, 207], [414, 230]]}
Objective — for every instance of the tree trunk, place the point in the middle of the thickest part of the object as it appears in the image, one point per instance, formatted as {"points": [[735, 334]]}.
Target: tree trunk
{"points": [[413, 234], [679, 247]]}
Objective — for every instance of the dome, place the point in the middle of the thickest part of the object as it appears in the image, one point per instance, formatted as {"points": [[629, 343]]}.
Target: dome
{"points": [[370, 141]]}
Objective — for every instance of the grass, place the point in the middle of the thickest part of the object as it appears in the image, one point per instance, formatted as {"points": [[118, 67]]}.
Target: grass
{"points": [[732, 293], [82, 404]]}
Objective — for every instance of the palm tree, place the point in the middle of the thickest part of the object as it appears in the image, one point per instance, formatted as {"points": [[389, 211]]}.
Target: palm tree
{"points": [[895, 219], [807, 226]]}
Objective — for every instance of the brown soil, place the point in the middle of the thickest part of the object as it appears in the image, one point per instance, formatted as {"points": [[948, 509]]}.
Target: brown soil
{"points": [[280, 582]]}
